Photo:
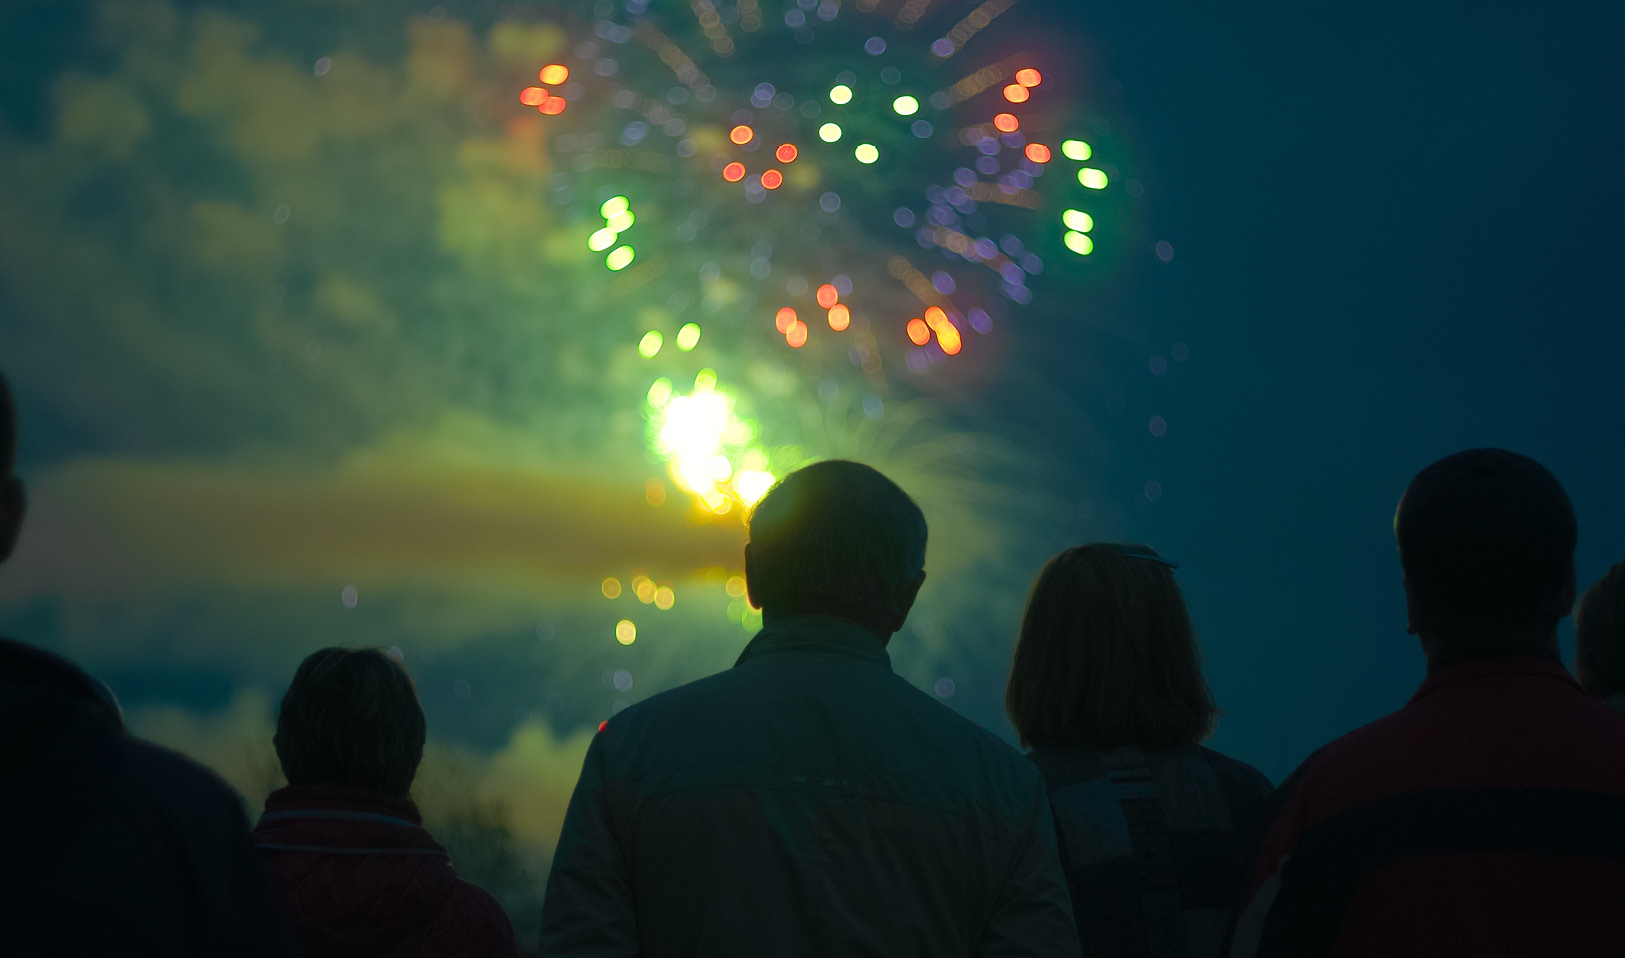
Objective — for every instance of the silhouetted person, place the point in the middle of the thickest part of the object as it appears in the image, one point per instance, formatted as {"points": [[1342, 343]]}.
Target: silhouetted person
{"points": [[110, 845], [1599, 639], [809, 801], [1487, 816], [356, 871], [1106, 687]]}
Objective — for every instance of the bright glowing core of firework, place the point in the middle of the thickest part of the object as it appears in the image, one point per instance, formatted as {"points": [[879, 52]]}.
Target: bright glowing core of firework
{"points": [[709, 451]]}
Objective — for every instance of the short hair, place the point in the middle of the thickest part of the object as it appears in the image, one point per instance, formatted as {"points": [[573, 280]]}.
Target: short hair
{"points": [[351, 717], [1599, 635], [1486, 538], [8, 429], [1107, 656], [835, 537]]}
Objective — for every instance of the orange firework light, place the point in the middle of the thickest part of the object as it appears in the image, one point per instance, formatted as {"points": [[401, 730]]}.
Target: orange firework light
{"points": [[965, 172]]}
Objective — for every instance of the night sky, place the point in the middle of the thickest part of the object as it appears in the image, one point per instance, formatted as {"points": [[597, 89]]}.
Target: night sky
{"points": [[1388, 232]]}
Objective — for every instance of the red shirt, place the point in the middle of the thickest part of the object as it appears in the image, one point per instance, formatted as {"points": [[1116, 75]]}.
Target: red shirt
{"points": [[1486, 817], [358, 874]]}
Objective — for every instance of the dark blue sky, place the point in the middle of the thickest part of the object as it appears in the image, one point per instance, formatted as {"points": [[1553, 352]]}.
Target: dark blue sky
{"points": [[1398, 234]]}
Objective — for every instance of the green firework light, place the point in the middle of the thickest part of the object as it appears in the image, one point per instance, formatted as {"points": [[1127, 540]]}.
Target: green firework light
{"points": [[837, 152]]}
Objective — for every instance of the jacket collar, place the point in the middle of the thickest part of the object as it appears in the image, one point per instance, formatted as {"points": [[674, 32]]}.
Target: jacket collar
{"points": [[338, 819], [1472, 670], [816, 635]]}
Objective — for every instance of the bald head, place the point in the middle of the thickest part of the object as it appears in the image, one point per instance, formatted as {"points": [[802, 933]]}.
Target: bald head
{"points": [[1486, 538]]}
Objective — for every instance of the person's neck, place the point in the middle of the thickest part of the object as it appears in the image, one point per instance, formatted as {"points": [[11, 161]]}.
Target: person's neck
{"points": [[879, 632], [1444, 654]]}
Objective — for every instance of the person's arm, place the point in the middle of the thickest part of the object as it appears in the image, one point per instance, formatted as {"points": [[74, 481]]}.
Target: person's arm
{"points": [[1033, 914], [589, 908], [1257, 929], [490, 925]]}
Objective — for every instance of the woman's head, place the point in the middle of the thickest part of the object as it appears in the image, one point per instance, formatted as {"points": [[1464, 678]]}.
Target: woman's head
{"points": [[1107, 656], [351, 717]]}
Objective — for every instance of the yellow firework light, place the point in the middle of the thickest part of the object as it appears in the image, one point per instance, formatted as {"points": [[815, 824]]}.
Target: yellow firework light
{"points": [[709, 451]]}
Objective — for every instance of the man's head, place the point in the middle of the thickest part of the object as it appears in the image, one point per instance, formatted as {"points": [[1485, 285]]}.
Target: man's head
{"points": [[837, 538], [11, 488], [1599, 635], [1486, 539], [351, 717]]}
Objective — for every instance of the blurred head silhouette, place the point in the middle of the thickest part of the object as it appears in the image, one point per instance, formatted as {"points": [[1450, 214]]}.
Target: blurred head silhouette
{"points": [[1107, 656], [352, 718], [11, 488], [1599, 635], [837, 538], [1486, 538]]}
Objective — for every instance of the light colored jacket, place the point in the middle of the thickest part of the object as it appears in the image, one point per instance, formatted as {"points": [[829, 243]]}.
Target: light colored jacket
{"points": [[807, 801]]}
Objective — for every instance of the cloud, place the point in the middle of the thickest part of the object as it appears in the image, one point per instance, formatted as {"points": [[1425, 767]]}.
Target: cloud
{"points": [[527, 782], [235, 742], [440, 508]]}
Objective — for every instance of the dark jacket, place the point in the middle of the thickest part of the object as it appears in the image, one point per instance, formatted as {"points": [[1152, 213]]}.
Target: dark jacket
{"points": [[806, 802], [1486, 817], [360, 877], [1152, 845], [110, 845]]}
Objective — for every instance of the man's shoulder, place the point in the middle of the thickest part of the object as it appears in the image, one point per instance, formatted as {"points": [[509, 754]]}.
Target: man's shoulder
{"points": [[957, 726], [1235, 775], [733, 687], [686, 701], [863, 717], [170, 780]]}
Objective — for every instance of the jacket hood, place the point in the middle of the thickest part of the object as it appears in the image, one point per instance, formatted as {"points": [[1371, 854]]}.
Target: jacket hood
{"points": [[357, 871]]}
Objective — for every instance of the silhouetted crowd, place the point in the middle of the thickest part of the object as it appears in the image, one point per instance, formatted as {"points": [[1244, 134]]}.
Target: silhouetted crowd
{"points": [[808, 801]]}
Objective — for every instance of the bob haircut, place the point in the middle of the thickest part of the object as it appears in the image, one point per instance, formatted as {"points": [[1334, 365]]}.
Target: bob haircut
{"points": [[836, 537], [1599, 635], [1107, 656], [351, 717]]}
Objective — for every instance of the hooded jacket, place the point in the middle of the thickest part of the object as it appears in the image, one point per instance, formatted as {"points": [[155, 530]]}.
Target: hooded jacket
{"points": [[360, 877], [808, 801], [110, 845]]}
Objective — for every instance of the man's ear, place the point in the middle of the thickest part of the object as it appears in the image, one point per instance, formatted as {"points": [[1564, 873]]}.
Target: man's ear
{"points": [[905, 602], [1570, 590], [13, 503], [750, 578], [1413, 611]]}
